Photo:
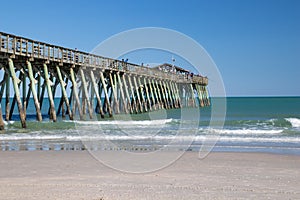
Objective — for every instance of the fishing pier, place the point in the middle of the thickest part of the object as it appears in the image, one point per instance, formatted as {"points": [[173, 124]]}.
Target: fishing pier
{"points": [[87, 83]]}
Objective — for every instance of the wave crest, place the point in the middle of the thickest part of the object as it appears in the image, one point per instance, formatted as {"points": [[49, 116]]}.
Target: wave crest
{"points": [[295, 122], [126, 122], [245, 131]]}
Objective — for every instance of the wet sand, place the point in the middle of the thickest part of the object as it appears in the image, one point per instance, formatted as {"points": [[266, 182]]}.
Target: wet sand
{"points": [[77, 175]]}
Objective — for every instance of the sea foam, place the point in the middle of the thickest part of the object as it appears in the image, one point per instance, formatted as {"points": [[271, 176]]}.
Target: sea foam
{"points": [[8, 122], [126, 122], [245, 131], [295, 122]]}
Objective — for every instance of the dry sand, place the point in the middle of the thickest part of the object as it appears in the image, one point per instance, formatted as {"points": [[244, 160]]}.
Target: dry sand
{"points": [[77, 175]]}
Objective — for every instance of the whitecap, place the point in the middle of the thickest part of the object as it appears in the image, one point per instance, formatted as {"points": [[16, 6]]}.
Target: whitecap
{"points": [[245, 131], [8, 122], [30, 137], [295, 122], [126, 122]]}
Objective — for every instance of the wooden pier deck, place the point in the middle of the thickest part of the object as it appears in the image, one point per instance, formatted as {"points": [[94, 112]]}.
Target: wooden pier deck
{"points": [[36, 70]]}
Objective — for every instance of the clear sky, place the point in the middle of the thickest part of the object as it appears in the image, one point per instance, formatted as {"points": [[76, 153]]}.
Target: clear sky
{"points": [[255, 43]]}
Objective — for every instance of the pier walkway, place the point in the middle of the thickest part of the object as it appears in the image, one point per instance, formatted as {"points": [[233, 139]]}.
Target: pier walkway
{"points": [[88, 83]]}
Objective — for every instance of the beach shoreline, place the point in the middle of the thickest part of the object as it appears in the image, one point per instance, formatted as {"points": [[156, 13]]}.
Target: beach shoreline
{"points": [[77, 175]]}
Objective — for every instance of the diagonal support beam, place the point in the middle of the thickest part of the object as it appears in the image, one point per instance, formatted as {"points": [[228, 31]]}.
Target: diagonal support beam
{"points": [[137, 94], [49, 90], [127, 93], [104, 86], [32, 88], [117, 111], [94, 85], [85, 91], [75, 93], [64, 92], [122, 92]]}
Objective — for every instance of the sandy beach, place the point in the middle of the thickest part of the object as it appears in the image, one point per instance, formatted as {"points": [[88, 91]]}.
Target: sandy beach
{"points": [[77, 175]]}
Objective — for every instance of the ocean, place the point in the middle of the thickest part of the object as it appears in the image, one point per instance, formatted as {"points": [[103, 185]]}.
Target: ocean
{"points": [[251, 124]]}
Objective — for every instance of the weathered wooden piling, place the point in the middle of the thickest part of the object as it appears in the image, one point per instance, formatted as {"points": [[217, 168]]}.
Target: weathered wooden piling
{"points": [[34, 94], [161, 100], [49, 90], [1, 119], [148, 101], [64, 92], [207, 96], [114, 92], [133, 97], [7, 97], [127, 95], [97, 94], [151, 93], [122, 93], [75, 93], [115, 86], [106, 94], [15, 81], [85, 91], [137, 92]]}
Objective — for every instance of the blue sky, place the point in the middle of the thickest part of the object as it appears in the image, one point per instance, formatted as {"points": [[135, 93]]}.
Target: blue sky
{"points": [[255, 43]]}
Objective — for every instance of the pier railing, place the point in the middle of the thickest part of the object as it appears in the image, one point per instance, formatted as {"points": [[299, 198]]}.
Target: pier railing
{"points": [[20, 46]]}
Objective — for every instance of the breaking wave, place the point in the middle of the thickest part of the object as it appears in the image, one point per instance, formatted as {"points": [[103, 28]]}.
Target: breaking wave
{"points": [[295, 122]]}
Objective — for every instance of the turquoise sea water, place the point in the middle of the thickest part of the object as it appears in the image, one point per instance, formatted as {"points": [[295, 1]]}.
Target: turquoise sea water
{"points": [[252, 124]]}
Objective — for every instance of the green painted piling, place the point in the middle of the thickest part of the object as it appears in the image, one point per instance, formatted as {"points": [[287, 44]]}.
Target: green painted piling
{"points": [[159, 95], [147, 94], [132, 93], [32, 88], [2, 125], [192, 95], [2, 84], [64, 92], [42, 94], [24, 88], [137, 94], [49, 90], [178, 94], [151, 93], [75, 93], [122, 92], [94, 86], [15, 98], [39, 82], [106, 94], [7, 93], [164, 95], [141, 89], [173, 92], [115, 95], [85, 91], [127, 94], [15, 81], [200, 96], [171, 95], [207, 96]]}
